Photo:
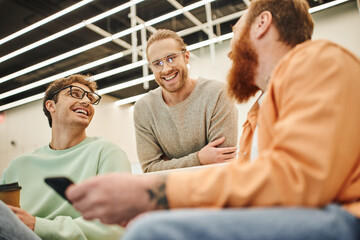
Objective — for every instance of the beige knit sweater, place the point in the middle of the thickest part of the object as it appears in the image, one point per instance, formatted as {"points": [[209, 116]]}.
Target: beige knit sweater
{"points": [[179, 132]]}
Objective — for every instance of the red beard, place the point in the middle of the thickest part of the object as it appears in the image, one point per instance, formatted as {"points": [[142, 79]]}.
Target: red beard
{"points": [[241, 78]]}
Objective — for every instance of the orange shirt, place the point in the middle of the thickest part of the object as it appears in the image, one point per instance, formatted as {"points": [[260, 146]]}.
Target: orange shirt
{"points": [[308, 136]]}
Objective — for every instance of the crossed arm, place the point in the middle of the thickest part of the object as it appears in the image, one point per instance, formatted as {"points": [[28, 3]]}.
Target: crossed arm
{"points": [[156, 148]]}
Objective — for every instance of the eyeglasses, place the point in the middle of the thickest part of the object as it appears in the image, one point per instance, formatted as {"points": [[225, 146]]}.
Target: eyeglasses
{"points": [[171, 60], [79, 93]]}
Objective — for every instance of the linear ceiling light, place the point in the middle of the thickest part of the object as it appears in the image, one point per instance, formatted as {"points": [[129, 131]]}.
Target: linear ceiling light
{"points": [[60, 75], [210, 41], [129, 100], [88, 46], [119, 70], [112, 11], [128, 83], [177, 12], [22, 101], [106, 74], [326, 5], [161, 18], [55, 59], [191, 47], [143, 62], [95, 77], [44, 21], [69, 30]]}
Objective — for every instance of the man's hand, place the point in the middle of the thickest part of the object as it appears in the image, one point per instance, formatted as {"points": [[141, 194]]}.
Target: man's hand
{"points": [[211, 154], [24, 216], [117, 198]]}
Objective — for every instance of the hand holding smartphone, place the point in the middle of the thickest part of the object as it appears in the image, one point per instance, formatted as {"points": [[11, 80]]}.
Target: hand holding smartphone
{"points": [[59, 184]]}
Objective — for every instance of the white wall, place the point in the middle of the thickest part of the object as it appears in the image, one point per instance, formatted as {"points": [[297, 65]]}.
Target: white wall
{"points": [[28, 128], [341, 25]]}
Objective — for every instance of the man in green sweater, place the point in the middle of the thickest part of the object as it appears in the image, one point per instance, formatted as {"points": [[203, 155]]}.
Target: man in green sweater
{"points": [[68, 104], [185, 122]]}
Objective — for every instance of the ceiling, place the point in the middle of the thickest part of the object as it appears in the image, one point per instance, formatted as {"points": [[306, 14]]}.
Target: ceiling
{"points": [[15, 15]]}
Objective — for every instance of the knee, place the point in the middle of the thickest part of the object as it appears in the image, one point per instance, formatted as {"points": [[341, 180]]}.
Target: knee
{"points": [[150, 226]]}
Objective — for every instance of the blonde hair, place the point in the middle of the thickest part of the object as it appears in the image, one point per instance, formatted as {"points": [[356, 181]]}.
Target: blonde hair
{"points": [[164, 34]]}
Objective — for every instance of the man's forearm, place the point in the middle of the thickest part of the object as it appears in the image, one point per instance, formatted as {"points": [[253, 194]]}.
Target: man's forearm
{"points": [[157, 193], [190, 160]]}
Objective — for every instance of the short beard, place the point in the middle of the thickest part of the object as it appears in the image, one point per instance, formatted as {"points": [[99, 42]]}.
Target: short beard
{"points": [[184, 75], [241, 78]]}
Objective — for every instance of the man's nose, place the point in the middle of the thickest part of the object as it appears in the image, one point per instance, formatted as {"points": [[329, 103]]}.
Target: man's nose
{"points": [[85, 100], [166, 67], [229, 54]]}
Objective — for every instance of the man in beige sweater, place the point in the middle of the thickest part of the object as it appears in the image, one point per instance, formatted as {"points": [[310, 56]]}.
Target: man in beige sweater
{"points": [[185, 122]]}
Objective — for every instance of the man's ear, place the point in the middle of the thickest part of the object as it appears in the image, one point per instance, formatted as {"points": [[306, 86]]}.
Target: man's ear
{"points": [[263, 24], [50, 105], [187, 56]]}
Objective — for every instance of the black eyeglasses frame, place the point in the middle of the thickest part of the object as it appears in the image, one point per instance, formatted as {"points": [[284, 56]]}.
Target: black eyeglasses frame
{"points": [[84, 92]]}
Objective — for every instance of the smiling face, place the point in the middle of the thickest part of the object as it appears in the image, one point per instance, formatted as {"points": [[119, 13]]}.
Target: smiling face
{"points": [[170, 78], [69, 111]]}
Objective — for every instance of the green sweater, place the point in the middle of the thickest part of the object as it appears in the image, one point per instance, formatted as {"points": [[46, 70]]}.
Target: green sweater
{"points": [[55, 217]]}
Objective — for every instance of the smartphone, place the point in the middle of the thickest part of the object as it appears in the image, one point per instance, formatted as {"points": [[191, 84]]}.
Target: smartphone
{"points": [[59, 184]]}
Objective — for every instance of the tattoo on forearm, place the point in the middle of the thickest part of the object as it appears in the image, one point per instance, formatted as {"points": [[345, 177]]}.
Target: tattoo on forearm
{"points": [[158, 194]]}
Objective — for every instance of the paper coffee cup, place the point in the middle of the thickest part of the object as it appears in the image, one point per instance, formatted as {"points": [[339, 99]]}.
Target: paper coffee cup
{"points": [[10, 194]]}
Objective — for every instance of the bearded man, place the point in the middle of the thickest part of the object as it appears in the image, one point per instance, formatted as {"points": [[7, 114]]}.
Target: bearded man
{"points": [[185, 122], [304, 180]]}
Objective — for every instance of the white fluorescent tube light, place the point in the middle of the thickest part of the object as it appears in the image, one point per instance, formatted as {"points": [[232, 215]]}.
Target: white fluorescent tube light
{"points": [[140, 80], [121, 85], [225, 37], [177, 12], [119, 70], [60, 75], [66, 31], [126, 84], [41, 42], [75, 51], [196, 5], [55, 59], [326, 5], [127, 31], [81, 49], [21, 102], [110, 72], [129, 100], [210, 41], [164, 17], [101, 92], [112, 11], [44, 21], [202, 44]]}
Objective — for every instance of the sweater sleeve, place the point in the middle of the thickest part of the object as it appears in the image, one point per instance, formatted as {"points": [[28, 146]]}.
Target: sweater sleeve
{"points": [[224, 121], [66, 228], [221, 120], [149, 152], [3, 177], [314, 144], [111, 159]]}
